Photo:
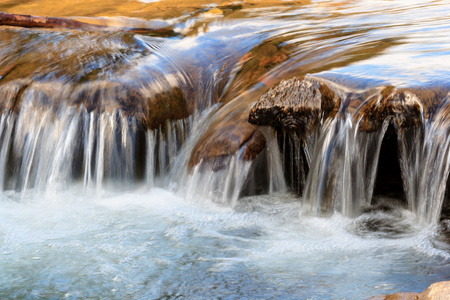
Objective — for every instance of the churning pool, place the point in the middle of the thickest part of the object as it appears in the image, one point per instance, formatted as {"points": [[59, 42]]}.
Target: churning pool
{"points": [[156, 245]]}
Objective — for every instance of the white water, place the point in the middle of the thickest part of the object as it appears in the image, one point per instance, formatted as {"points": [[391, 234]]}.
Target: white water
{"points": [[151, 245]]}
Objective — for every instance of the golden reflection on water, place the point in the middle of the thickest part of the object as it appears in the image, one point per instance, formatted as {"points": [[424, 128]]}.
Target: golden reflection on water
{"points": [[147, 9]]}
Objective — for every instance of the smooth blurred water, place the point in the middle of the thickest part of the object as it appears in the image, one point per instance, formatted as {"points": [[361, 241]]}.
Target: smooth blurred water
{"points": [[155, 245]]}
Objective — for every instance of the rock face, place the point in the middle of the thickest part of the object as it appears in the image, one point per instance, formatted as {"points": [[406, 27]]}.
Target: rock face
{"points": [[436, 291]]}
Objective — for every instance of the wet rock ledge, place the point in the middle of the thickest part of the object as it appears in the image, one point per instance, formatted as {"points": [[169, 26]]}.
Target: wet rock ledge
{"points": [[300, 104], [295, 105]]}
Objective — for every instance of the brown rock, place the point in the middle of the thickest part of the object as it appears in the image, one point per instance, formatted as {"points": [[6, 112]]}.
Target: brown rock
{"points": [[296, 105], [397, 296], [51, 22], [372, 112], [300, 104], [436, 291], [406, 109], [10, 95], [229, 133], [225, 139], [151, 110]]}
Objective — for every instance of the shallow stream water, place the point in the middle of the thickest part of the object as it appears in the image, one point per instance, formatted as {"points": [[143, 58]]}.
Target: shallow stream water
{"points": [[158, 245]]}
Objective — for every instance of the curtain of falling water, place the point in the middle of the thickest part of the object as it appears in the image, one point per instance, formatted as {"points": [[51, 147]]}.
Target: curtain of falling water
{"points": [[224, 185], [162, 149], [343, 167], [425, 164], [45, 150]]}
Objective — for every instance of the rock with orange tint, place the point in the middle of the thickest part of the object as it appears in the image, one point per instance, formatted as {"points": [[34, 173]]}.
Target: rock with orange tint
{"points": [[29, 21], [436, 291], [148, 108], [225, 139]]}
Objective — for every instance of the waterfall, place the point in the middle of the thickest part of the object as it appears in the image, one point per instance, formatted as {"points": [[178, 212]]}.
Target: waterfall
{"points": [[425, 164], [293, 149], [226, 184], [6, 128], [50, 149], [343, 167], [276, 178], [47, 149], [222, 186], [162, 148]]}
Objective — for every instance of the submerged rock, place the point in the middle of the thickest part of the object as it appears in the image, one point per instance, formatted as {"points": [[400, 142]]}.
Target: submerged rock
{"points": [[152, 109], [229, 133], [402, 106]]}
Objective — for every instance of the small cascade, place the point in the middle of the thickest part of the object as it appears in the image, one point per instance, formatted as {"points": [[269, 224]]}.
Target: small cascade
{"points": [[277, 182], [425, 164], [162, 148], [343, 167], [296, 154], [235, 176], [109, 148], [50, 149], [6, 129], [222, 186], [46, 149]]}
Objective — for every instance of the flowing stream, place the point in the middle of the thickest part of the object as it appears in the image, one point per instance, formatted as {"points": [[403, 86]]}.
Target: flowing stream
{"points": [[97, 129]]}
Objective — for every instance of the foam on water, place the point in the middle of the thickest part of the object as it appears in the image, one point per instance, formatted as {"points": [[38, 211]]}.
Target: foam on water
{"points": [[143, 244]]}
